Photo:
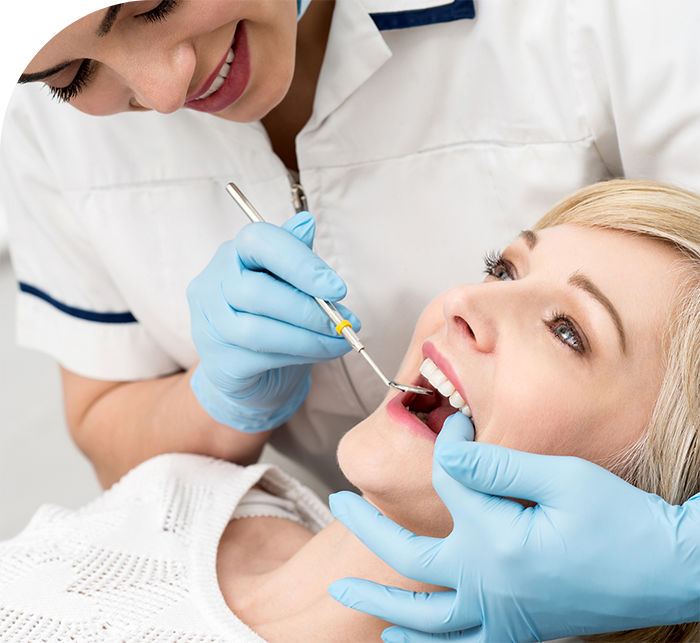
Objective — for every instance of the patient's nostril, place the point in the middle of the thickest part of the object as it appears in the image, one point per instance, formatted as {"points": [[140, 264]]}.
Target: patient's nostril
{"points": [[462, 323]]}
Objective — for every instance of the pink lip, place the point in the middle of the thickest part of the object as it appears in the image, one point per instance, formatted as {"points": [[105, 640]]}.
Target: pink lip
{"points": [[235, 83], [397, 412], [430, 351]]}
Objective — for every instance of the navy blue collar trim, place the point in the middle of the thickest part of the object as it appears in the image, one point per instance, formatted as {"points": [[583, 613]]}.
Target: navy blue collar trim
{"points": [[104, 318], [456, 10]]}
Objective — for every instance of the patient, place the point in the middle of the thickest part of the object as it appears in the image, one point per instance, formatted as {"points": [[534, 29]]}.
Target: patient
{"points": [[583, 339]]}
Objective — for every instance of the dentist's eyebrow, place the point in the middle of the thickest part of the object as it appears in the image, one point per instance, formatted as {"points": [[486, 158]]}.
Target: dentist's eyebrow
{"points": [[104, 28], [40, 75], [530, 238], [109, 19], [585, 284]]}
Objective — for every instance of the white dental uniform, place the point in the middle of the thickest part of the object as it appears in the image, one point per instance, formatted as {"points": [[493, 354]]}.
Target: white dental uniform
{"points": [[432, 140]]}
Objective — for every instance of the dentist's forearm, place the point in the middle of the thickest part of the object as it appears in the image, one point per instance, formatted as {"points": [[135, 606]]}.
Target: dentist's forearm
{"points": [[118, 425]]}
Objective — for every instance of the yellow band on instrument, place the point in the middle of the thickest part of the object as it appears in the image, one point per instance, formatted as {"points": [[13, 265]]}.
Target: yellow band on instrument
{"points": [[341, 325]]}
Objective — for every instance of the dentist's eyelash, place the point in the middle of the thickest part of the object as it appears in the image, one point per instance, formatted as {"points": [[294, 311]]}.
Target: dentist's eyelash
{"points": [[82, 78], [496, 266], [161, 12]]}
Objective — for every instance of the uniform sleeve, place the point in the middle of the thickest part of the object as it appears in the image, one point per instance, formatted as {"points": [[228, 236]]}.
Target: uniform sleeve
{"points": [[636, 64], [67, 306]]}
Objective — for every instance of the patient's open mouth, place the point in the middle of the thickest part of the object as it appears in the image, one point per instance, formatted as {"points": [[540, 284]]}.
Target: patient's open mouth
{"points": [[434, 409]]}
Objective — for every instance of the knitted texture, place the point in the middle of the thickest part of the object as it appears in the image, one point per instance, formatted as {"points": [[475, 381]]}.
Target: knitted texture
{"points": [[139, 563]]}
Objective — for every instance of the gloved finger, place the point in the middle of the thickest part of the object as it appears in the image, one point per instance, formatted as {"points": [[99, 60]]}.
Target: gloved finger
{"points": [[259, 293], [457, 428], [303, 226], [407, 553], [269, 336], [263, 246], [463, 502], [499, 471], [428, 612], [403, 635]]}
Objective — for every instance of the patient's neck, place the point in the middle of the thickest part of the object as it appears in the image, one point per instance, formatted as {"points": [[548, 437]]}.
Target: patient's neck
{"points": [[275, 575]]}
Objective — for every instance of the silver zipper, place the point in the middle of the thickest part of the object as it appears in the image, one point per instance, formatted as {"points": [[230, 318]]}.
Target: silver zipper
{"points": [[298, 195], [300, 205]]}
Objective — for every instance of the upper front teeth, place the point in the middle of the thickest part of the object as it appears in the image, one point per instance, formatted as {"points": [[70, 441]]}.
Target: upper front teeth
{"points": [[219, 80], [439, 381]]}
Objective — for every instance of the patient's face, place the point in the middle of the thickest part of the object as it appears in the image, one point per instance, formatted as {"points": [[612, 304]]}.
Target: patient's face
{"points": [[558, 351]]}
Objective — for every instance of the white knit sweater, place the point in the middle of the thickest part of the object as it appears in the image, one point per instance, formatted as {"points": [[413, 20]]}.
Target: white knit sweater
{"points": [[139, 563]]}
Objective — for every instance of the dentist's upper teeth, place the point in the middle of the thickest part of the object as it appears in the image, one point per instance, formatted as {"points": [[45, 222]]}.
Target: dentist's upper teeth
{"points": [[219, 80], [439, 381]]}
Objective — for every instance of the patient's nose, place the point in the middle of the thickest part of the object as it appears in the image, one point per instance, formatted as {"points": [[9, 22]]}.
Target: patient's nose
{"points": [[470, 317]]}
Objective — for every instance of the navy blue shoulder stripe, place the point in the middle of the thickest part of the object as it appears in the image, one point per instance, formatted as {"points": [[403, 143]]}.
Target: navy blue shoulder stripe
{"points": [[89, 315], [456, 10]]}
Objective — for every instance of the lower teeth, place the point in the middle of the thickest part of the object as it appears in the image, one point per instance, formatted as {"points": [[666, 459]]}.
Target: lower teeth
{"points": [[421, 415]]}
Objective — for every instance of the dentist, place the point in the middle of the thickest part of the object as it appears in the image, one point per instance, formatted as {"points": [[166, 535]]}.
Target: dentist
{"points": [[419, 132]]}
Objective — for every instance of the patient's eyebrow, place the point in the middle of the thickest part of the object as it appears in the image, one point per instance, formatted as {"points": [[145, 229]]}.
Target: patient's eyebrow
{"points": [[530, 237], [585, 284]]}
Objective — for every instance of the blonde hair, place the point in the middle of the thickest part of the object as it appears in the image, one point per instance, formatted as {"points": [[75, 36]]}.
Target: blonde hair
{"points": [[666, 460]]}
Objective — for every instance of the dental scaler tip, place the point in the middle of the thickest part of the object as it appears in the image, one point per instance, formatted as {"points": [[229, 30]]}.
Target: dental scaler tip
{"points": [[342, 326]]}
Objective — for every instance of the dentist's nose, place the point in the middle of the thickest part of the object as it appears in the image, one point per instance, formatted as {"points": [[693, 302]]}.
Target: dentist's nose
{"points": [[470, 316], [161, 80]]}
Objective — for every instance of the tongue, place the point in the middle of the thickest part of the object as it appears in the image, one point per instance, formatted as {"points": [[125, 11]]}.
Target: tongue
{"points": [[437, 417]]}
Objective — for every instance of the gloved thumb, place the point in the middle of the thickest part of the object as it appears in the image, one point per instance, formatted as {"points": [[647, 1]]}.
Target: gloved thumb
{"points": [[499, 471], [303, 226], [457, 428]]}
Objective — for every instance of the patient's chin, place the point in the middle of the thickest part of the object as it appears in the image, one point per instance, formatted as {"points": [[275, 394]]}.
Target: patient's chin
{"points": [[425, 516]]}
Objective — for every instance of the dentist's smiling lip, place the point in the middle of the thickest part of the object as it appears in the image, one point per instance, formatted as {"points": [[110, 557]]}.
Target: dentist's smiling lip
{"points": [[208, 82], [235, 83]]}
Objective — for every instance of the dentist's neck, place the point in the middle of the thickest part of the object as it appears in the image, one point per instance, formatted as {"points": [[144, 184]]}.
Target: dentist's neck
{"points": [[285, 121]]}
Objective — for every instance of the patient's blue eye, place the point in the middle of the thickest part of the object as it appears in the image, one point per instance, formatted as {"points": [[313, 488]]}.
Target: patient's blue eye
{"points": [[496, 266], [564, 329], [566, 334]]}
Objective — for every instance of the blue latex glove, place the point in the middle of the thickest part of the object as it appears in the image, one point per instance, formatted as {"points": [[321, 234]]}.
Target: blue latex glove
{"points": [[596, 554], [256, 329]]}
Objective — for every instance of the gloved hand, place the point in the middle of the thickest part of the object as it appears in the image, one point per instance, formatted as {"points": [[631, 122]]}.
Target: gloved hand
{"points": [[256, 326], [596, 554]]}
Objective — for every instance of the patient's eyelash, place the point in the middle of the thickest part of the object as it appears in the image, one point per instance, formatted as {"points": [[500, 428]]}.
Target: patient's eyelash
{"points": [[496, 266], [562, 327], [82, 78]]}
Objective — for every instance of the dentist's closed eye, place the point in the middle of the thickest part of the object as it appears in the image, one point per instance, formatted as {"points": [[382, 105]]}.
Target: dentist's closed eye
{"points": [[160, 12], [87, 68], [82, 78]]}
